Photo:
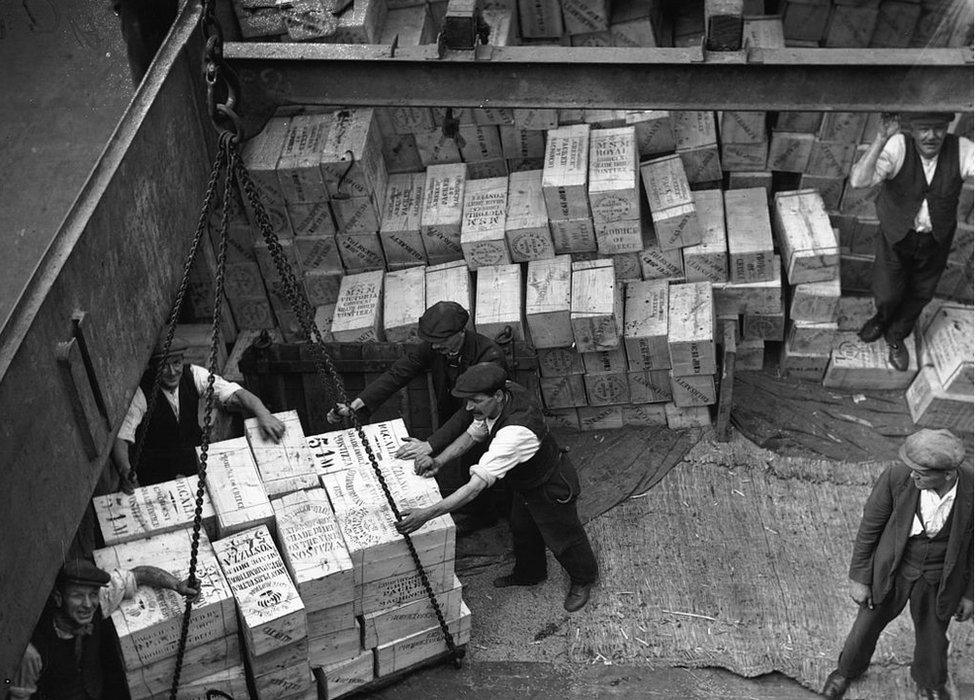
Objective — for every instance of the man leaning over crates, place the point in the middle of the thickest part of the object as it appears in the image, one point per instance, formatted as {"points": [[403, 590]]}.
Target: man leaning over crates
{"points": [[920, 173], [522, 454]]}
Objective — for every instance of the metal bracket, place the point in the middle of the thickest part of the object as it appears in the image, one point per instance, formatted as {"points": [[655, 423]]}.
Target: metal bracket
{"points": [[84, 391]]}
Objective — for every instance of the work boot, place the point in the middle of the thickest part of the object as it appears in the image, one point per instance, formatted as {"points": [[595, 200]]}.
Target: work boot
{"points": [[898, 355], [940, 693], [836, 685], [871, 330], [579, 594], [513, 580]]}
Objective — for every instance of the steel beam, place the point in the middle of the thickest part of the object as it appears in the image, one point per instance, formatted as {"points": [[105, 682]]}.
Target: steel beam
{"points": [[602, 78]]}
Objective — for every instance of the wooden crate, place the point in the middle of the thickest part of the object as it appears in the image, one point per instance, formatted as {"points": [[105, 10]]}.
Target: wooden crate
{"points": [[607, 389], [806, 238], [498, 303], [620, 237], [744, 157], [321, 287], [351, 159], [831, 189], [657, 264], [671, 203], [451, 282], [691, 324], [947, 344], [232, 681], [154, 680], [361, 252], [815, 302], [605, 361], [526, 224], [336, 645], [789, 151], [558, 362], [853, 311], [830, 159], [480, 143], [648, 387], [816, 338], [857, 365], [285, 465], [763, 31], [750, 236], [337, 617], [601, 417], [613, 177], [260, 156], [408, 651], [151, 510], [694, 129], [440, 220], [764, 325], [895, 24], [593, 312], [584, 16], [400, 220], [742, 127], [627, 267], [805, 20], [235, 487], [148, 624], [931, 406], [573, 236], [323, 321], [404, 302], [413, 25], [434, 148], [743, 181], [534, 121], [564, 172], [646, 325], [654, 131], [385, 626], [749, 355], [345, 677], [358, 314], [401, 153], [707, 261], [285, 682], [680, 417], [702, 164], [563, 392], [850, 26], [642, 415], [693, 390], [314, 551], [483, 222], [299, 177], [548, 295], [541, 20]]}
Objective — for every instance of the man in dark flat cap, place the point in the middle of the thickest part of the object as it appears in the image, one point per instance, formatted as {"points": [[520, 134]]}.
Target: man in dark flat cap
{"points": [[921, 172], [69, 650], [915, 547], [173, 430], [521, 453], [446, 349]]}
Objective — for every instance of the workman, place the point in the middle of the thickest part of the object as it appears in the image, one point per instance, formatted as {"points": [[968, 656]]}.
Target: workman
{"points": [[446, 349], [920, 173], [523, 454], [69, 650], [914, 546], [173, 432]]}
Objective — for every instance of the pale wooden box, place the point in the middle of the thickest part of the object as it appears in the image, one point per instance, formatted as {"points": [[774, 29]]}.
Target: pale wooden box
{"points": [[932, 406], [679, 417], [750, 236], [434, 148], [650, 386], [440, 221], [812, 337], [693, 390], [758, 325], [311, 218], [498, 302], [763, 31], [557, 362], [358, 315], [601, 417], [521, 144], [565, 170], [404, 302], [361, 252], [573, 236], [857, 365], [299, 176], [235, 487], [613, 177], [314, 550], [548, 295], [526, 223], [260, 156], [815, 302], [646, 325], [481, 143], [148, 624], [671, 203], [451, 282], [386, 626], [271, 612], [317, 253], [593, 311], [337, 645], [346, 677], [750, 297], [789, 151], [707, 261], [151, 510], [408, 651], [806, 238], [154, 680], [351, 157], [657, 264], [285, 465], [947, 344], [654, 132], [691, 324], [607, 389], [644, 414], [483, 222], [605, 361], [400, 224], [617, 237]]}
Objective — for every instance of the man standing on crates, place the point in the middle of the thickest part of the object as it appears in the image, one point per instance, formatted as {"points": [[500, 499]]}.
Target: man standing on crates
{"points": [[921, 174], [914, 547], [521, 452]]}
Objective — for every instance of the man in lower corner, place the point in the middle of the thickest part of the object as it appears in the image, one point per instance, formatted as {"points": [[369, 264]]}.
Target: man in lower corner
{"points": [[521, 452], [914, 547]]}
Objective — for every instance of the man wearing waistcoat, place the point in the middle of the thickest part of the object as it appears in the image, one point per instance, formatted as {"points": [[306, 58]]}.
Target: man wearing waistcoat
{"points": [[173, 432], [914, 547], [521, 452], [68, 652], [920, 173]]}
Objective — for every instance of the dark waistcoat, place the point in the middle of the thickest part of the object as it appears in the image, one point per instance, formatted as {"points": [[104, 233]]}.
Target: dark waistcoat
{"points": [[63, 676], [519, 409], [924, 555], [170, 443]]}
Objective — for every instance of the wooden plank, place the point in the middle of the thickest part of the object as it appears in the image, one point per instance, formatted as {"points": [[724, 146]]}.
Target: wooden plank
{"points": [[483, 222], [440, 220], [151, 510], [548, 295], [565, 170], [358, 315], [498, 302], [707, 261], [613, 186], [815, 302], [691, 324], [386, 626], [593, 315], [236, 491], [404, 302], [671, 203], [646, 325], [285, 464], [750, 236], [806, 238]]}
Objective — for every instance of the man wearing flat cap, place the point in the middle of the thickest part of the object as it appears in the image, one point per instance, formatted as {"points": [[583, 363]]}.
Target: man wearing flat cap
{"points": [[69, 650], [446, 349], [920, 173], [914, 547], [524, 456], [173, 431]]}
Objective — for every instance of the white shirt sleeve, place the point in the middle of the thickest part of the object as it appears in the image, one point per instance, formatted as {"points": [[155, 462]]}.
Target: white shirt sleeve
{"points": [[26, 675], [121, 585], [133, 417], [890, 160], [223, 389], [966, 164], [478, 430], [511, 446]]}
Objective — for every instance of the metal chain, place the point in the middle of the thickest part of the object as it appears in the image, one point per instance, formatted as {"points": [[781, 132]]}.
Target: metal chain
{"points": [[226, 152], [328, 374]]}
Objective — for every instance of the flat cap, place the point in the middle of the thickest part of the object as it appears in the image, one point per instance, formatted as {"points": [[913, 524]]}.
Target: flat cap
{"points": [[927, 117], [82, 572], [179, 344], [441, 321], [482, 378], [932, 449]]}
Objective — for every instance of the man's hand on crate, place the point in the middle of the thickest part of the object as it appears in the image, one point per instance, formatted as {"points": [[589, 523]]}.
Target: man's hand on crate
{"points": [[412, 519], [344, 410], [425, 465], [413, 448]]}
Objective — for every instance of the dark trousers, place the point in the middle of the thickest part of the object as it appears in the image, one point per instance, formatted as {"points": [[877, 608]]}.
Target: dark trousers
{"points": [[904, 279], [929, 665], [546, 516]]}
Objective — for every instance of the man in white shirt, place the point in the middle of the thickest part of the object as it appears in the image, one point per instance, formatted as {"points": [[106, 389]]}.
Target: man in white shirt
{"points": [[173, 431], [914, 547], [920, 174], [521, 451]]}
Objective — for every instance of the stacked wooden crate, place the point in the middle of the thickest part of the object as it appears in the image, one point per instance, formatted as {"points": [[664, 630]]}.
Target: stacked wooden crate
{"points": [[148, 625], [285, 464], [614, 194]]}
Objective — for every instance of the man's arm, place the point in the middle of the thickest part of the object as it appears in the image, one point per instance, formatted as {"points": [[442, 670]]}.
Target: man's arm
{"points": [[877, 511], [450, 430], [428, 466], [24, 682], [158, 578], [865, 171], [417, 361], [414, 519], [128, 480], [272, 428]]}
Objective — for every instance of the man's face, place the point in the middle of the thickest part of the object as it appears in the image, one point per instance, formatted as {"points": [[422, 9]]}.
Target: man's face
{"points": [[929, 138], [449, 346], [78, 602], [932, 478], [172, 371], [482, 406]]}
